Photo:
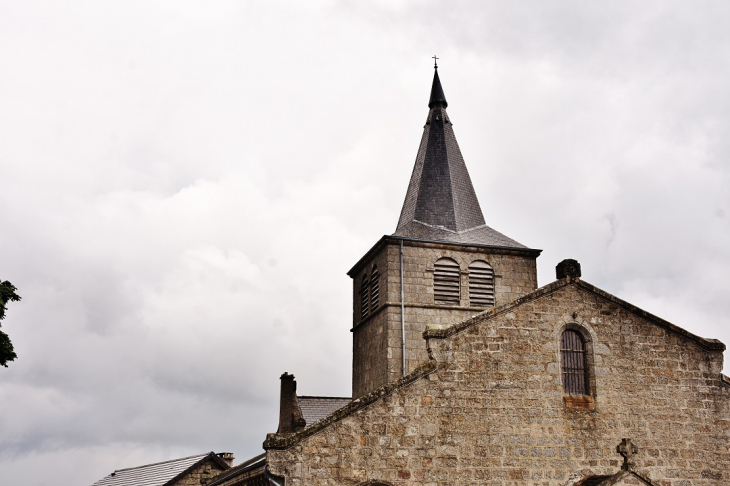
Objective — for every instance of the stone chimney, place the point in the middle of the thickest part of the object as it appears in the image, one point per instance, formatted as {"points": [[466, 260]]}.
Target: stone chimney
{"points": [[290, 415], [227, 458], [568, 268]]}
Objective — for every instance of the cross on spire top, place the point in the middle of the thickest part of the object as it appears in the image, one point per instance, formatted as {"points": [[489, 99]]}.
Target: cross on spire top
{"points": [[628, 450], [435, 65]]}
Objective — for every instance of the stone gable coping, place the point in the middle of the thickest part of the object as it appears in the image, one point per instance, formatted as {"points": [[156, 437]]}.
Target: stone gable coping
{"points": [[285, 441], [706, 344], [446, 332]]}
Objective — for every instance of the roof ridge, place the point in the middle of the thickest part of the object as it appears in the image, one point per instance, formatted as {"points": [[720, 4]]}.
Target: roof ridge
{"points": [[165, 462]]}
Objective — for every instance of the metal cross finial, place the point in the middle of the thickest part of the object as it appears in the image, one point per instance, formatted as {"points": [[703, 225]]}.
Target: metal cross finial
{"points": [[628, 450], [435, 65]]}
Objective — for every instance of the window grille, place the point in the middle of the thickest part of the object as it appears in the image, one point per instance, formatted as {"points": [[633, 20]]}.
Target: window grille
{"points": [[481, 284], [573, 357], [446, 282], [364, 297], [374, 289]]}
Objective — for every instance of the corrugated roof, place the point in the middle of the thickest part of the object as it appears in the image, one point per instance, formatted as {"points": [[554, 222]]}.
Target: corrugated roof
{"points": [[315, 409], [441, 204], [157, 474]]}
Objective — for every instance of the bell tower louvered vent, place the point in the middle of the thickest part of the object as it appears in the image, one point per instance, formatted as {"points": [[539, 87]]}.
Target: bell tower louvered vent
{"points": [[364, 297], [481, 284], [446, 282], [374, 290]]}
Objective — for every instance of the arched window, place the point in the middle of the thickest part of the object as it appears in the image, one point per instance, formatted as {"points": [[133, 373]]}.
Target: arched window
{"points": [[374, 290], [481, 284], [364, 297], [573, 363], [446, 282]]}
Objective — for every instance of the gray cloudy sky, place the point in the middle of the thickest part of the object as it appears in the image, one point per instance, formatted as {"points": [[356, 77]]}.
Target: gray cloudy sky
{"points": [[184, 185]]}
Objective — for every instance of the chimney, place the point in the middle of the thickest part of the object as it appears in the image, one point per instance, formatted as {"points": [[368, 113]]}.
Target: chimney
{"points": [[568, 268], [286, 403], [227, 458]]}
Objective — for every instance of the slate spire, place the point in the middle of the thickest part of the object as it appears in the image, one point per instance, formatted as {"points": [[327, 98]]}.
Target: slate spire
{"points": [[437, 92], [441, 204]]}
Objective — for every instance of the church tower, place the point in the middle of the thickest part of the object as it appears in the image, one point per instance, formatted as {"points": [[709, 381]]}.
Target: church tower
{"points": [[442, 265]]}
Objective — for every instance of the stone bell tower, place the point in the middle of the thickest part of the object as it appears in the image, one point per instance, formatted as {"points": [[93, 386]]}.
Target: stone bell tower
{"points": [[442, 265]]}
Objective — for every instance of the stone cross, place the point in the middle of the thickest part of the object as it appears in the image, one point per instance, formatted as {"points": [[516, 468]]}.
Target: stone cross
{"points": [[628, 450], [434, 61]]}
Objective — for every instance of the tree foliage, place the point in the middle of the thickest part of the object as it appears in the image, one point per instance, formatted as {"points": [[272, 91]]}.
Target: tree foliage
{"points": [[7, 294]]}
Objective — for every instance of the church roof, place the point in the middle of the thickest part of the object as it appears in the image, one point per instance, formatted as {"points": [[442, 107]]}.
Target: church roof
{"points": [[159, 473], [315, 409], [441, 204]]}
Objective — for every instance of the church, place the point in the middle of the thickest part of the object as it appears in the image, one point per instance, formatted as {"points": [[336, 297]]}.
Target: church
{"points": [[464, 372]]}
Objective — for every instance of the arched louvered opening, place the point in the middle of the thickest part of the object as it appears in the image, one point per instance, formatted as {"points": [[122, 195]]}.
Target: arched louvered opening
{"points": [[573, 363], [364, 297], [446, 282], [374, 289], [481, 284]]}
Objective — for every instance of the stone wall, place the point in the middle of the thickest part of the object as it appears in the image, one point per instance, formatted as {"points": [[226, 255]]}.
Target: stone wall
{"points": [[370, 353], [490, 409], [377, 339]]}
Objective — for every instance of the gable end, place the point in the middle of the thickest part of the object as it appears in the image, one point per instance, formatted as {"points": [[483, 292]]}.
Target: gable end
{"points": [[706, 344], [212, 456]]}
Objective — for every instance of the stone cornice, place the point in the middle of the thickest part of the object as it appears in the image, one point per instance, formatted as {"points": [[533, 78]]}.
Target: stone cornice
{"points": [[393, 240]]}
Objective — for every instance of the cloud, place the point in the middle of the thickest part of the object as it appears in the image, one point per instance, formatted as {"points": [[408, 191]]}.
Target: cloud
{"points": [[185, 185]]}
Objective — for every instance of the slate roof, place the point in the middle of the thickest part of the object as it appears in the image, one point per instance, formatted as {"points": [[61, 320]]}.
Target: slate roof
{"points": [[157, 474], [315, 409], [441, 204], [254, 467]]}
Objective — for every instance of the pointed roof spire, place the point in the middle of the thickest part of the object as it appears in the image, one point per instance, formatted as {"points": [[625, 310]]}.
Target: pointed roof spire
{"points": [[441, 204], [437, 92]]}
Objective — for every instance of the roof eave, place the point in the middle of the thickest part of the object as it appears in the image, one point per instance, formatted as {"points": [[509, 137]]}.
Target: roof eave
{"points": [[531, 252]]}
